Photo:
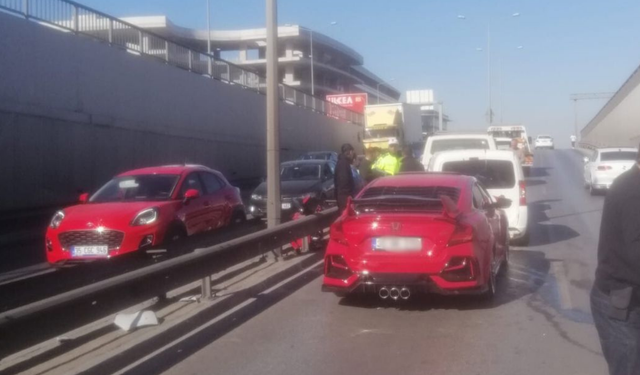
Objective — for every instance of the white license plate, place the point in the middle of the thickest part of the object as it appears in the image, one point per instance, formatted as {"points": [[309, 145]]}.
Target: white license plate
{"points": [[397, 243], [82, 251], [286, 206]]}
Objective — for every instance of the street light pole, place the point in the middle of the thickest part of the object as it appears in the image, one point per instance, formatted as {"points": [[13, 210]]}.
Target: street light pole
{"points": [[273, 125], [313, 83], [490, 113], [209, 36]]}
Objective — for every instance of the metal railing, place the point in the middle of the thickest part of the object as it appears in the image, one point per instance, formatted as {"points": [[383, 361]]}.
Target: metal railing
{"points": [[70, 16], [158, 279]]}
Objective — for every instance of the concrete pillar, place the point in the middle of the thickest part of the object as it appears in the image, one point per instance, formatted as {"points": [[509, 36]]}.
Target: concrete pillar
{"points": [[242, 56], [288, 50], [288, 74]]}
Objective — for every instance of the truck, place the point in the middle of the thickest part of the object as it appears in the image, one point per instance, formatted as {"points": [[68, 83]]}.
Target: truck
{"points": [[399, 123], [517, 133]]}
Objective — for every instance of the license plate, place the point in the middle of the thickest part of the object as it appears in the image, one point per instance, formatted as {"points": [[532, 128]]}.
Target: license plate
{"points": [[82, 251], [286, 206], [397, 244]]}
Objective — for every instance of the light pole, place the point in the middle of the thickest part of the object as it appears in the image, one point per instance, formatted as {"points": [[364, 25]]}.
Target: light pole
{"points": [[311, 56], [489, 94], [209, 36], [382, 84], [273, 125]]}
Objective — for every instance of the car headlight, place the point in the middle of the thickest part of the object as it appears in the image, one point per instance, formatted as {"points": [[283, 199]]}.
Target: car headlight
{"points": [[256, 197], [57, 219], [144, 217]]}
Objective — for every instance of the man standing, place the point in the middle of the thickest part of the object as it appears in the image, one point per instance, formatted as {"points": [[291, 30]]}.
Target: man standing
{"points": [[389, 163], [615, 297], [343, 177], [408, 163]]}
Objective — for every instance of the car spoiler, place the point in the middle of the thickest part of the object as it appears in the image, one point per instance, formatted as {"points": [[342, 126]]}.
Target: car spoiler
{"points": [[449, 207]]}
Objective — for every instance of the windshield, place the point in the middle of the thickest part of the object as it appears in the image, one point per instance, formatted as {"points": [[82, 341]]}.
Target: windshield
{"points": [[619, 156], [492, 174], [507, 134], [301, 172], [381, 133], [459, 144], [136, 188]]}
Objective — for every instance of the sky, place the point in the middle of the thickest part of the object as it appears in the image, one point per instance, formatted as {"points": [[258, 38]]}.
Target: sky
{"points": [[568, 46]]}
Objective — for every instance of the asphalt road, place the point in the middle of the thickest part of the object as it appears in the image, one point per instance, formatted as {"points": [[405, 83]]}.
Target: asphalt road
{"points": [[539, 323]]}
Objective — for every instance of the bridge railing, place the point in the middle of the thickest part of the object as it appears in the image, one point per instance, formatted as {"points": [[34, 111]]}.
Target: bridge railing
{"points": [[69, 16]]}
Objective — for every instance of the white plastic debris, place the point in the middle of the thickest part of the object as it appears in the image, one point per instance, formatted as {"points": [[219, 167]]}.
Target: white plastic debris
{"points": [[138, 319]]}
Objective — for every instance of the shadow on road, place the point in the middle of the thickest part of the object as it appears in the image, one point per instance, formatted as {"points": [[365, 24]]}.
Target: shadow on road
{"points": [[538, 172], [542, 231], [527, 272]]}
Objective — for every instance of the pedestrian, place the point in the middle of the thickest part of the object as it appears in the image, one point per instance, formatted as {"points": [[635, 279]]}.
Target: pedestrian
{"points": [[573, 141], [389, 163], [615, 296], [409, 163], [343, 178]]}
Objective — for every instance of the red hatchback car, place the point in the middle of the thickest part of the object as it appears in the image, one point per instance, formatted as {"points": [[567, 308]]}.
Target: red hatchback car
{"points": [[143, 209], [437, 233]]}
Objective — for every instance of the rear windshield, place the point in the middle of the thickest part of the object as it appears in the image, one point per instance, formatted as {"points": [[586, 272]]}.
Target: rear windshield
{"points": [[492, 174], [619, 155], [459, 144]]}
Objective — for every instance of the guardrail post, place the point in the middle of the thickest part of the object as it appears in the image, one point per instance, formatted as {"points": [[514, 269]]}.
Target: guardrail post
{"points": [[305, 244], [166, 51], [190, 59], [228, 73], [110, 31], [75, 18], [25, 8], [140, 41], [209, 66], [206, 287]]}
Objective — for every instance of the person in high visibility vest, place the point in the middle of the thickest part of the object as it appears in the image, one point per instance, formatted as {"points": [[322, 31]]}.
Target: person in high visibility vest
{"points": [[389, 163]]}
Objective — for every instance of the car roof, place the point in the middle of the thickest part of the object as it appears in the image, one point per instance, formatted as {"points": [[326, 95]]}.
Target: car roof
{"points": [[480, 154], [610, 149], [460, 135], [167, 169], [320, 152], [424, 179]]}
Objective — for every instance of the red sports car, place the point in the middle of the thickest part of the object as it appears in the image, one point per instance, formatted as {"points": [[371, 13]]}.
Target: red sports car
{"points": [[141, 210], [438, 233]]}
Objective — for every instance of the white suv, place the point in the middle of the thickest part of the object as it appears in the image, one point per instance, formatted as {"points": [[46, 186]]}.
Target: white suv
{"points": [[501, 175], [544, 141], [452, 141], [605, 165]]}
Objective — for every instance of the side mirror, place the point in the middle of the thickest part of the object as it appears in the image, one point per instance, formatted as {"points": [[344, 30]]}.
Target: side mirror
{"points": [[502, 203], [83, 198], [586, 160], [190, 195]]}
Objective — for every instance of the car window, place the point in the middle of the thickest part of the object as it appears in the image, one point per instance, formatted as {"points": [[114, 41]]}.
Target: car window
{"points": [[492, 174], [131, 188], [459, 144], [300, 171], [478, 199], [191, 182], [211, 182], [619, 156]]}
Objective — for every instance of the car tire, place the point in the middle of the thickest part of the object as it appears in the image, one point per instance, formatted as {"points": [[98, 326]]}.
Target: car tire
{"points": [[491, 288], [522, 241], [238, 217], [173, 239]]}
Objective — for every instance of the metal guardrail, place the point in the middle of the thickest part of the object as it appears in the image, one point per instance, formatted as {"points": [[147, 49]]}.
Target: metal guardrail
{"points": [[158, 279], [67, 15]]}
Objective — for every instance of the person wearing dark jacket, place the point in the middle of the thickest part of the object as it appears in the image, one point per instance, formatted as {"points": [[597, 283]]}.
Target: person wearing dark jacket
{"points": [[366, 165], [408, 163], [615, 297], [343, 177]]}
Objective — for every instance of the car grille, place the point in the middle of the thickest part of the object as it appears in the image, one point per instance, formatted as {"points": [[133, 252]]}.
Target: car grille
{"points": [[413, 191], [111, 238]]}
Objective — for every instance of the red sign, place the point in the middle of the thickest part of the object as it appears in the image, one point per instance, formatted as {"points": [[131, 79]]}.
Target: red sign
{"points": [[353, 102]]}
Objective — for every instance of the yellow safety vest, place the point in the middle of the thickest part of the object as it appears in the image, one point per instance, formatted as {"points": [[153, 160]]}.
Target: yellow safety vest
{"points": [[388, 163]]}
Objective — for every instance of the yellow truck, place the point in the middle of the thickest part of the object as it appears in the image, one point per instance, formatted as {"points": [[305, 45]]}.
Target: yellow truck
{"points": [[386, 124]]}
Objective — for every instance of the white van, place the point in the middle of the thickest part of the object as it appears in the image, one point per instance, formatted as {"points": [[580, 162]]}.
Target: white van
{"points": [[499, 172], [452, 141]]}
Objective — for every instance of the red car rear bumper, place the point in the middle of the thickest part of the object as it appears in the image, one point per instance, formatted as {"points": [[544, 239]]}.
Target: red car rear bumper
{"points": [[344, 275]]}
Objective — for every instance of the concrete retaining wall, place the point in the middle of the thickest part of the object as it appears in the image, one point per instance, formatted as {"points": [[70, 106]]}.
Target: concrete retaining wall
{"points": [[75, 111]]}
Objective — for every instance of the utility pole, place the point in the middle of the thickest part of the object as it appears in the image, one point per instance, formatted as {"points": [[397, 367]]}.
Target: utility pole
{"points": [[585, 96], [209, 37], [273, 123]]}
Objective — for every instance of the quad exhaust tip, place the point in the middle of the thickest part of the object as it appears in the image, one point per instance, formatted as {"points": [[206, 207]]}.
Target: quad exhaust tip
{"points": [[394, 293]]}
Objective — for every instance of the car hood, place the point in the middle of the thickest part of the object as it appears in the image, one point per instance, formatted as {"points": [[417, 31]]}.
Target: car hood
{"points": [[292, 187], [109, 215]]}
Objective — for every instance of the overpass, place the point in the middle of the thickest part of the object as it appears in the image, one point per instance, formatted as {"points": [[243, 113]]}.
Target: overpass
{"points": [[618, 122]]}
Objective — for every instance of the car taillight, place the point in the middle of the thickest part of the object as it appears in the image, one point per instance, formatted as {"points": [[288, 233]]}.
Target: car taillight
{"points": [[336, 267], [336, 233], [462, 234], [460, 269], [604, 167], [523, 193]]}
